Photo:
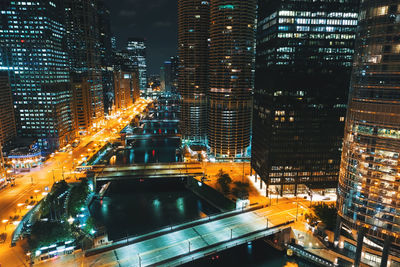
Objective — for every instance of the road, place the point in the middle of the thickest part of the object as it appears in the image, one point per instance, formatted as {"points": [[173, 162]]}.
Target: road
{"points": [[181, 242], [33, 185]]}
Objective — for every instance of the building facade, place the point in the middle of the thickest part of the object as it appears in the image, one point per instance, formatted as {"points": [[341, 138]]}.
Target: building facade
{"points": [[231, 63], [136, 48], [193, 50], [126, 89], [106, 55], [303, 68], [32, 52], [7, 120], [368, 194], [84, 54]]}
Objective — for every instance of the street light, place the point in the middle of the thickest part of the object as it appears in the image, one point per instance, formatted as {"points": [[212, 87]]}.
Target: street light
{"points": [[5, 221]]}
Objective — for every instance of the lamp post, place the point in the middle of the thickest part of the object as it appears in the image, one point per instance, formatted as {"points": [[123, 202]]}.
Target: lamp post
{"points": [[5, 223]]}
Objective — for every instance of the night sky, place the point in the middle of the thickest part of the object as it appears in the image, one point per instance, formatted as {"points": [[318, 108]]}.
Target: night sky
{"points": [[155, 20]]}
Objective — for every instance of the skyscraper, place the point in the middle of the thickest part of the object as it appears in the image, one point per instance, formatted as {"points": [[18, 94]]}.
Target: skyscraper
{"points": [[136, 48], [7, 121], [31, 51], [232, 34], [168, 75], [106, 54], [368, 194], [174, 73], [83, 43], [303, 65], [193, 47]]}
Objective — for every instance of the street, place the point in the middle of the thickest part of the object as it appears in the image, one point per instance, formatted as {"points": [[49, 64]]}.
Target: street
{"points": [[33, 185]]}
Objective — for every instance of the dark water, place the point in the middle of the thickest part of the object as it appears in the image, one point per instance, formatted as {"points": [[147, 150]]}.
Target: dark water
{"points": [[256, 254], [150, 151], [134, 208], [139, 207]]}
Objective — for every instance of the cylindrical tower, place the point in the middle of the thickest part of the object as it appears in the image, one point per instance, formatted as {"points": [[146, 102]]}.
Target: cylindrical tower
{"points": [[368, 193], [193, 34], [232, 33]]}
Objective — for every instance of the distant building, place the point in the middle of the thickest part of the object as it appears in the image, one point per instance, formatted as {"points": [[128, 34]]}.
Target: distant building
{"points": [[121, 61], [368, 193], [166, 76], [113, 43], [7, 120], [136, 48], [155, 82], [231, 60], [126, 89], [193, 35], [32, 52], [81, 105], [174, 73], [84, 53], [303, 65]]}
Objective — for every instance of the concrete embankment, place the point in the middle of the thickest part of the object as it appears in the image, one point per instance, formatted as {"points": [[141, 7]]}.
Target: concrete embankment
{"points": [[210, 195]]}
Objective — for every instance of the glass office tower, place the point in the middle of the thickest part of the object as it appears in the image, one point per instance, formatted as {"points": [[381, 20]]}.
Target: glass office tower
{"points": [[136, 48], [232, 34], [32, 52], [368, 194], [193, 34], [303, 67]]}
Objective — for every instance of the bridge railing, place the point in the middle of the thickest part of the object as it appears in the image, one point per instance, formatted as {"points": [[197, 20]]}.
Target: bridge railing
{"points": [[165, 229], [196, 254]]}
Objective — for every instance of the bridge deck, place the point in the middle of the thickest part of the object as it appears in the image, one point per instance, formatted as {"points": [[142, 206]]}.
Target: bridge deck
{"points": [[193, 242], [176, 170]]}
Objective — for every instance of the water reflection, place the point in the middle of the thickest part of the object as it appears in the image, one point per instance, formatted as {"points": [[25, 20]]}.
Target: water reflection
{"points": [[140, 207]]}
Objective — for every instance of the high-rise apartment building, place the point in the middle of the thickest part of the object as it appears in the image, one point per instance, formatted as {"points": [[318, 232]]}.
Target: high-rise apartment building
{"points": [[7, 121], [84, 54], [303, 65], [136, 48], [232, 33], [193, 48], [32, 52], [368, 194]]}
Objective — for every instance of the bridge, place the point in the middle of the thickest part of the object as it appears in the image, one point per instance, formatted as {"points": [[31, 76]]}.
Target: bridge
{"points": [[149, 170], [152, 136], [176, 245]]}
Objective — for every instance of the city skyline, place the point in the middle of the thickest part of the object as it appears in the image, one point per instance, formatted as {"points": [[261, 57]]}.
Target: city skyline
{"points": [[200, 132]]}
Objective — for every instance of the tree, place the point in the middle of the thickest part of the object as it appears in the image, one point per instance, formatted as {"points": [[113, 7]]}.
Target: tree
{"points": [[241, 190], [78, 197], [48, 233], [224, 181], [52, 205], [327, 213]]}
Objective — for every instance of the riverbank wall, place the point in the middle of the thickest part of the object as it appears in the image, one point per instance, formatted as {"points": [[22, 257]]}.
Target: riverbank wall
{"points": [[210, 195]]}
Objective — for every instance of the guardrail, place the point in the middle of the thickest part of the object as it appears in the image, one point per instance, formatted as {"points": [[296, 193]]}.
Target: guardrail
{"points": [[164, 230], [300, 252], [223, 245]]}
